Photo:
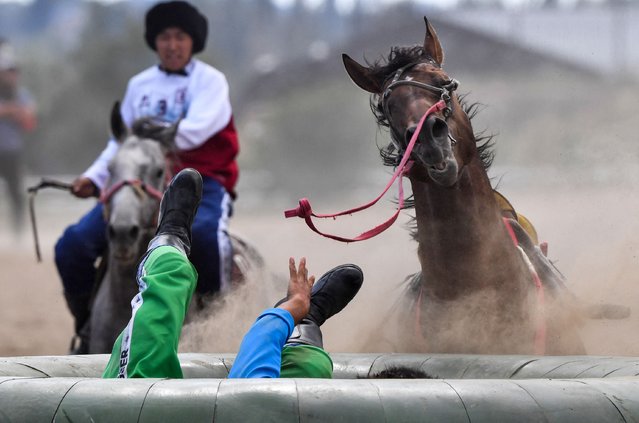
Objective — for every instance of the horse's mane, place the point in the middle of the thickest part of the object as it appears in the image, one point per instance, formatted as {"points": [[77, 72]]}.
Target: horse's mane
{"points": [[403, 56], [150, 127]]}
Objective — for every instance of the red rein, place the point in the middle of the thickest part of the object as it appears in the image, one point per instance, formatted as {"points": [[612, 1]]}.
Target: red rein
{"points": [[305, 211], [106, 196]]}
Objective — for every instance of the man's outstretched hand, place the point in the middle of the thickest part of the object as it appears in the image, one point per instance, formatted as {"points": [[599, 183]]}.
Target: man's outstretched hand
{"points": [[299, 290]]}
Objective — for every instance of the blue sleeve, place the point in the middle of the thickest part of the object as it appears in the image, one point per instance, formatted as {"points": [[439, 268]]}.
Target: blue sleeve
{"points": [[260, 354]]}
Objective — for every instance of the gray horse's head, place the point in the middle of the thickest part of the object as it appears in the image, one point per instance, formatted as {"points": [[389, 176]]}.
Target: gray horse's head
{"points": [[137, 177]]}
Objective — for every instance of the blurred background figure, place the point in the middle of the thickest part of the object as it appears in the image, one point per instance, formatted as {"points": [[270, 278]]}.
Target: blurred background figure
{"points": [[17, 116]]}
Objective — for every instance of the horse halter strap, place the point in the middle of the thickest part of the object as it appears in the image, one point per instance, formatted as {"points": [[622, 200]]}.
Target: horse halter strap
{"points": [[444, 105], [305, 211], [137, 185], [445, 93]]}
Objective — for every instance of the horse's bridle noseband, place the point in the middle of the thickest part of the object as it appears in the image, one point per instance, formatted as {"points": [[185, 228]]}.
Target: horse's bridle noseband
{"points": [[140, 188], [445, 92]]}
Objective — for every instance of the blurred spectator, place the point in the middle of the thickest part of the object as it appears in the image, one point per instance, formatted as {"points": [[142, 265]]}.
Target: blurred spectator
{"points": [[17, 116]]}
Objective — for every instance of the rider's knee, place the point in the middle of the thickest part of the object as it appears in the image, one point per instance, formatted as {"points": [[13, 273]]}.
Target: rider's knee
{"points": [[66, 244], [78, 243]]}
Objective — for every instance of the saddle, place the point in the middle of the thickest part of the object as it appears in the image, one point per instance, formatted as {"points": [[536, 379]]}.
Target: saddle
{"points": [[527, 238], [550, 277], [508, 211]]}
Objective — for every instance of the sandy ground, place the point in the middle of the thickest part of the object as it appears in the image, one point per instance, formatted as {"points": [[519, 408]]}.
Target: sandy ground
{"points": [[593, 235]]}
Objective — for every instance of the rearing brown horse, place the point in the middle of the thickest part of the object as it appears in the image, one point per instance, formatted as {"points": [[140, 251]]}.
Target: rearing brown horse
{"points": [[476, 292]]}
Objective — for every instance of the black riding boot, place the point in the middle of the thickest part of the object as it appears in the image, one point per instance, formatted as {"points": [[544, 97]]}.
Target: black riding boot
{"points": [[333, 291], [177, 210], [79, 307], [330, 294]]}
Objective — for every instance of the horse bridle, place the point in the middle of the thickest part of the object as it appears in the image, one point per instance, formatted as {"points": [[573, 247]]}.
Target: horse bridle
{"points": [[403, 164], [140, 188], [445, 92]]}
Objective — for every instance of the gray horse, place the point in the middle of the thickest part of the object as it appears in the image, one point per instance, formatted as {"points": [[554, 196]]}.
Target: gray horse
{"points": [[131, 204]]}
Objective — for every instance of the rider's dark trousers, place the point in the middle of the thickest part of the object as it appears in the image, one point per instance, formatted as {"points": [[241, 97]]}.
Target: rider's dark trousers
{"points": [[211, 253]]}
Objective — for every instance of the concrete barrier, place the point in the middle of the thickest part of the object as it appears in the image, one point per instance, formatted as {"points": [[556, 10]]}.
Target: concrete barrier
{"points": [[470, 388], [357, 366]]}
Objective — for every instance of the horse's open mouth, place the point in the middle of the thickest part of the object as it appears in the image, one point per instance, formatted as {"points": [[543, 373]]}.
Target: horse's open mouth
{"points": [[124, 256], [444, 173], [439, 167]]}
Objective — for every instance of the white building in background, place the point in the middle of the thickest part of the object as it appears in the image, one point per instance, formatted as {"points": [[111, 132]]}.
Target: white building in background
{"points": [[605, 40]]}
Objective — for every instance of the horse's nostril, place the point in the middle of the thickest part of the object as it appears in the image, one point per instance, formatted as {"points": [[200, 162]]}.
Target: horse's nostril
{"points": [[123, 233], [410, 132], [439, 129]]}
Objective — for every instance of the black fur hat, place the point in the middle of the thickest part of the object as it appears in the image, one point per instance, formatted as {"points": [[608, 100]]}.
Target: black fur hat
{"points": [[180, 14]]}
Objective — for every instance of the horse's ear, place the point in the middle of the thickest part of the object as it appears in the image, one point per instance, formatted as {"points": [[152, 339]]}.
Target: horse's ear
{"points": [[362, 76], [166, 137], [432, 46], [118, 128]]}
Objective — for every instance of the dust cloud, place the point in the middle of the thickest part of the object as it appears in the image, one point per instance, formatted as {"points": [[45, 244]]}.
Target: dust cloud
{"points": [[592, 230], [594, 241], [224, 320]]}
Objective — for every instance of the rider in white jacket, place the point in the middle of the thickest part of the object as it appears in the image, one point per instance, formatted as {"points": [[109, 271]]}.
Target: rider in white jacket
{"points": [[178, 88]]}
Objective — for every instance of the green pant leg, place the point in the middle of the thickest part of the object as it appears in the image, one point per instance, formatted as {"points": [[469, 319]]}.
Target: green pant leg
{"points": [[305, 361], [147, 347]]}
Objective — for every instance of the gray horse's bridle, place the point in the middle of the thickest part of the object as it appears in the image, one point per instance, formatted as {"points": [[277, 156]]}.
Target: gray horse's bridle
{"points": [[445, 92], [141, 189]]}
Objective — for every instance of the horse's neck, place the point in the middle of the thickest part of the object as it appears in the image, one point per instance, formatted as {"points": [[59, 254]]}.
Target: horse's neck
{"points": [[122, 282], [463, 245], [122, 276]]}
